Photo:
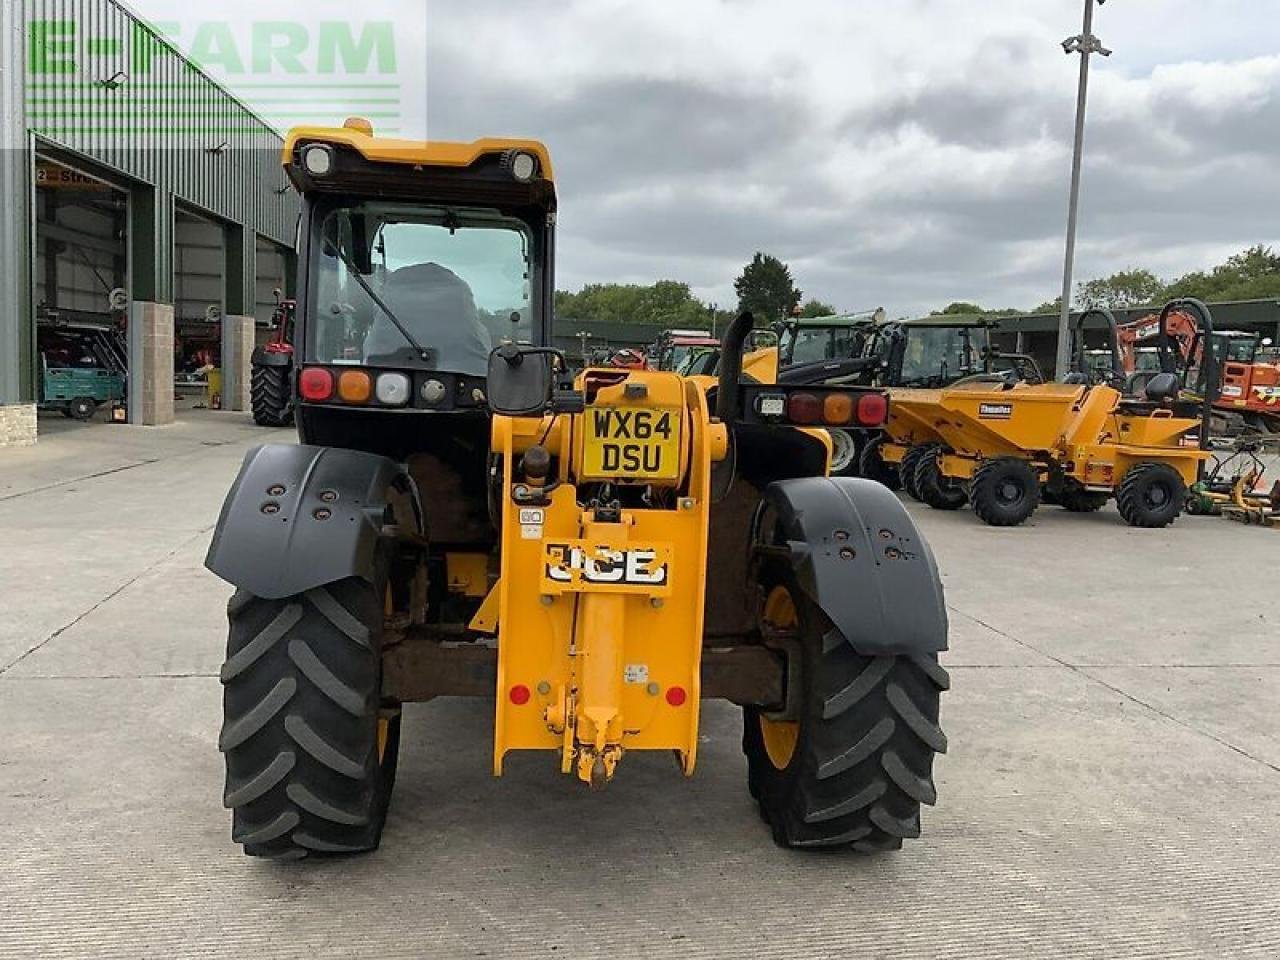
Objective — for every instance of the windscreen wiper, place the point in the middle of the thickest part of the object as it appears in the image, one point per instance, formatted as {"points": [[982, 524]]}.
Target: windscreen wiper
{"points": [[422, 352]]}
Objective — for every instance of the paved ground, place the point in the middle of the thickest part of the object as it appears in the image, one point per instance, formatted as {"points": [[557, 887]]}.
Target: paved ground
{"points": [[1113, 788]]}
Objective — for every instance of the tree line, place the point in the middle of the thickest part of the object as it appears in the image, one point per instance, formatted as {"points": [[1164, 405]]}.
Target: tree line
{"points": [[768, 289]]}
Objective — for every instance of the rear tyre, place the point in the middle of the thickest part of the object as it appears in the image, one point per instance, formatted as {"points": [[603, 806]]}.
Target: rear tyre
{"points": [[81, 408], [939, 492], [1004, 492], [1078, 500], [909, 464], [872, 466], [310, 757], [854, 766], [1151, 495], [271, 396]]}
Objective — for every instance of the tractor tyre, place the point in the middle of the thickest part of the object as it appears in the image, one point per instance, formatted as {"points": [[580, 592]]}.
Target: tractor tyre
{"points": [[81, 408], [844, 453], [271, 396], [1004, 492], [1151, 495], [1079, 500], [310, 756], [939, 492], [854, 761], [908, 469], [872, 466]]}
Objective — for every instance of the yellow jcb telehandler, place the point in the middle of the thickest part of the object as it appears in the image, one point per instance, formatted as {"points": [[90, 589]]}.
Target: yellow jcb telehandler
{"points": [[597, 554]]}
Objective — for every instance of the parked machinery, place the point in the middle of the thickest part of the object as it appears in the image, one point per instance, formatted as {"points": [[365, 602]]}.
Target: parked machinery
{"points": [[82, 366], [1247, 390], [910, 356], [596, 554], [998, 448], [271, 384]]}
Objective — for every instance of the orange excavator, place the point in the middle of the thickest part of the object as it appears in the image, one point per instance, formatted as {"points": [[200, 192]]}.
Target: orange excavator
{"points": [[1249, 392]]}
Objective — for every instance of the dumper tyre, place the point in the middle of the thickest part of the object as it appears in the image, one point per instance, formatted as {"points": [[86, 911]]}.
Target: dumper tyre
{"points": [[909, 464], [1079, 500], [872, 466], [1151, 495], [310, 752], [271, 395], [855, 765], [1004, 492], [939, 492], [81, 408]]}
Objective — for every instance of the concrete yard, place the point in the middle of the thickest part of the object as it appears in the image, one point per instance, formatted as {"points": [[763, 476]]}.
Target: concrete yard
{"points": [[1112, 788]]}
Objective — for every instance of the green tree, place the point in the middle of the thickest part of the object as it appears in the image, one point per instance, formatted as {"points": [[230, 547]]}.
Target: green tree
{"points": [[1253, 274], [957, 308], [816, 308], [667, 303], [1127, 288], [767, 289], [1050, 306]]}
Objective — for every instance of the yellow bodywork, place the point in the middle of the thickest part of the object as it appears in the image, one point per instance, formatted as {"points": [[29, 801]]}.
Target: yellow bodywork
{"points": [[419, 153], [601, 622], [1087, 431]]}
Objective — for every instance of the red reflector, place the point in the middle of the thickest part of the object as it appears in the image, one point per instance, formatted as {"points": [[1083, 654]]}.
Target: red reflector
{"points": [[676, 696], [873, 409], [315, 383], [519, 694], [804, 408]]}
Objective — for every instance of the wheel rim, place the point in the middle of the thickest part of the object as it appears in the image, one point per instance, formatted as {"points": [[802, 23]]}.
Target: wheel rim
{"points": [[1009, 492], [1157, 496], [780, 736], [842, 450], [384, 731]]}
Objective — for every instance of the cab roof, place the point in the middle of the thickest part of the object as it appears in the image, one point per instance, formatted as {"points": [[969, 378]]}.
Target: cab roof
{"points": [[420, 153]]}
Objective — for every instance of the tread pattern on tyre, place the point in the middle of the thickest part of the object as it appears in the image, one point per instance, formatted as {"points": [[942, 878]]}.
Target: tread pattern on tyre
{"points": [[300, 722], [871, 464], [864, 760], [270, 396], [910, 465], [983, 498], [933, 488], [1129, 496], [1082, 501]]}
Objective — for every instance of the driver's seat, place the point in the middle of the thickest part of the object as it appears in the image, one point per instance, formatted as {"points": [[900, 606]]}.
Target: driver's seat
{"points": [[1162, 388]]}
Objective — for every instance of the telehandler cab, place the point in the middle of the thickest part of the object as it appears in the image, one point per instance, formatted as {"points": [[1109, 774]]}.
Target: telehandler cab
{"points": [[596, 554]]}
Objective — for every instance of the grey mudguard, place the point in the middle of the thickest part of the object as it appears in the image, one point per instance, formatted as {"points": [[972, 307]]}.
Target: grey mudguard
{"points": [[300, 516], [859, 557]]}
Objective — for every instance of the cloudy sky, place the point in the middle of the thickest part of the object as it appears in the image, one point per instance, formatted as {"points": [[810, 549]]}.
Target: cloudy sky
{"points": [[902, 153]]}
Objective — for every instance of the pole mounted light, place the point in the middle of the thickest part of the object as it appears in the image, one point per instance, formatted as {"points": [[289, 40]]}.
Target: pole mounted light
{"points": [[1085, 44]]}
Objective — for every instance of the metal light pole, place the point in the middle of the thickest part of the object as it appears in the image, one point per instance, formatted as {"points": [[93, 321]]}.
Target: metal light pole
{"points": [[1085, 43]]}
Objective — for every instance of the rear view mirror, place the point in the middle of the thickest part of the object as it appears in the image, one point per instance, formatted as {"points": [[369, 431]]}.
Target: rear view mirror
{"points": [[521, 380]]}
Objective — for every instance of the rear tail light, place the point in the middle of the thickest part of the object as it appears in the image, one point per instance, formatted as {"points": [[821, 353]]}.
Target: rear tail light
{"points": [[804, 408], [837, 408], [873, 409], [392, 389], [354, 386], [315, 383]]}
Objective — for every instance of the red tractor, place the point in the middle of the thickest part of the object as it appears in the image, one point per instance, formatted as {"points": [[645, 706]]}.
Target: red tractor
{"points": [[271, 387]]}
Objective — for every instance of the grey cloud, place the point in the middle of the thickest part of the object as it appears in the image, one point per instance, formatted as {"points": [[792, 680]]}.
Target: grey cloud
{"points": [[675, 176]]}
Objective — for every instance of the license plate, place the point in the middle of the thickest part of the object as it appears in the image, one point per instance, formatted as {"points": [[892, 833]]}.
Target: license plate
{"points": [[632, 443]]}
